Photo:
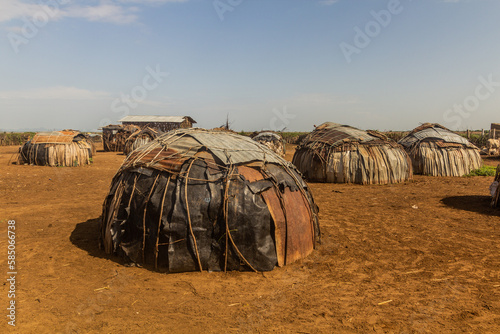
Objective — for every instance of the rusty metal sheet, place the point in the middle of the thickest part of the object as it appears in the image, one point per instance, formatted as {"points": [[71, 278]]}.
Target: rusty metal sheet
{"points": [[274, 206], [280, 232], [250, 174], [299, 236]]}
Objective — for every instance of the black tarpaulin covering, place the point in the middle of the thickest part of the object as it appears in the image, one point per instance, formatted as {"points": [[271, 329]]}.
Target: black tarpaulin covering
{"points": [[181, 208]]}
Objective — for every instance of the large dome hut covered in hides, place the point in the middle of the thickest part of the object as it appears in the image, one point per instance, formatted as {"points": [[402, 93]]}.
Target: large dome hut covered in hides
{"points": [[343, 154], [195, 199], [436, 151], [272, 140], [67, 148], [139, 138]]}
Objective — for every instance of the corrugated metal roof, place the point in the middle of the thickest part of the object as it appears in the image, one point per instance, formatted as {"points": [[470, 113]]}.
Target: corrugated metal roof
{"points": [[152, 119], [434, 133]]}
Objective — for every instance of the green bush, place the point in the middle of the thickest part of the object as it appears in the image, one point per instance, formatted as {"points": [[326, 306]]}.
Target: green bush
{"points": [[483, 171]]}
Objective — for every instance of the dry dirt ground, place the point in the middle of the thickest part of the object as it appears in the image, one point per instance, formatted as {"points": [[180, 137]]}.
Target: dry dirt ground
{"points": [[418, 257]]}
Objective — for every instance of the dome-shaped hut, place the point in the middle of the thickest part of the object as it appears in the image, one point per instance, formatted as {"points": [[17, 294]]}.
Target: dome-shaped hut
{"points": [[343, 154], [114, 136], [196, 199], [434, 150], [272, 140], [139, 138], [58, 148]]}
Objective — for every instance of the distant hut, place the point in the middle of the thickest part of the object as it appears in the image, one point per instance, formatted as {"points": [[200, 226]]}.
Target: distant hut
{"points": [[58, 148], [223, 129], [343, 154], [495, 130], [114, 136], [162, 123], [139, 138], [196, 199], [272, 140], [434, 150]]}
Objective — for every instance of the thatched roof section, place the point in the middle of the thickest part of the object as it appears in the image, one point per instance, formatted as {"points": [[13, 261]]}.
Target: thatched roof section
{"points": [[195, 199], [436, 133], [333, 134], [55, 137], [343, 154], [57, 148], [436, 151]]}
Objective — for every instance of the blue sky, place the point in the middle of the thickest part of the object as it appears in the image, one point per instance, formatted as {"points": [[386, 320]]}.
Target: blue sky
{"points": [[386, 65]]}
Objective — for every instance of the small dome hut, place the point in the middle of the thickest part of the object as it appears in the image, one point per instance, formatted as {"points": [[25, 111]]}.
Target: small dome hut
{"points": [[272, 140], [58, 148], [436, 151], [139, 138], [114, 136], [195, 199], [343, 154]]}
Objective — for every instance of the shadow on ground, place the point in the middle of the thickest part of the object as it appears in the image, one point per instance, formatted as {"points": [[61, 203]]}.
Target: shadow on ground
{"points": [[86, 237], [473, 203]]}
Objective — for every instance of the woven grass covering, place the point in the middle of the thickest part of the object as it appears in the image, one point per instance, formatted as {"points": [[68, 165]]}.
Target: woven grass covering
{"points": [[342, 154], [436, 151], [58, 148]]}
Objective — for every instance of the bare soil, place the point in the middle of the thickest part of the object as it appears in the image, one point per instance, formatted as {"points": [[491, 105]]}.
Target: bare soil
{"points": [[417, 257]]}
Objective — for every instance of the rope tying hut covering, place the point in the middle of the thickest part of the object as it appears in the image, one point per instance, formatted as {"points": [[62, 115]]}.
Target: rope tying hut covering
{"points": [[139, 138], [58, 148], [436, 151], [196, 199], [343, 154], [272, 140]]}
